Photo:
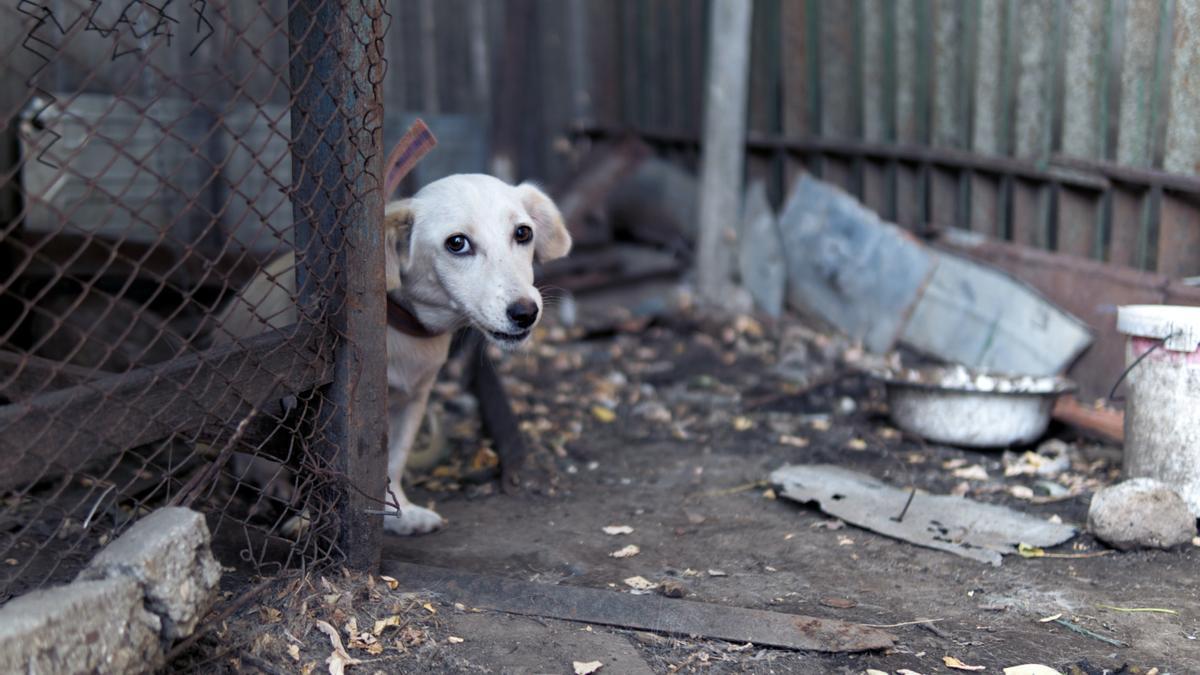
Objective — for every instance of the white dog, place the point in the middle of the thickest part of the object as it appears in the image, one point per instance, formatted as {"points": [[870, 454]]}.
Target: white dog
{"points": [[460, 252]]}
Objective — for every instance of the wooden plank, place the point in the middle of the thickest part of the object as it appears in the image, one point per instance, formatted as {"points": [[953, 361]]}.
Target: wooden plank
{"points": [[876, 187], [60, 432], [1079, 215], [1179, 236], [605, 78], [908, 177], [337, 203], [985, 211], [1030, 207], [1141, 24], [651, 612], [1125, 225], [724, 145], [1077, 223], [1183, 133], [838, 114], [795, 82], [910, 197], [1083, 103], [874, 58]]}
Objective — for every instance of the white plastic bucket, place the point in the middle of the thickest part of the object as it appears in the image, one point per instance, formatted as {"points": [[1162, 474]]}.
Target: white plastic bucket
{"points": [[1162, 411]]}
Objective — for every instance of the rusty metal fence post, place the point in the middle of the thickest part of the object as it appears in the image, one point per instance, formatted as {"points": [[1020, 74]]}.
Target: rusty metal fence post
{"points": [[336, 71]]}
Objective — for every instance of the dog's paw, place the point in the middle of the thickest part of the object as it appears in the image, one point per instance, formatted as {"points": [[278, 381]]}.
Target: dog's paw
{"points": [[413, 519]]}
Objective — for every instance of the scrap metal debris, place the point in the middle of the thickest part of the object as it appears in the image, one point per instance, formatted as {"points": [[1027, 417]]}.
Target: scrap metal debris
{"points": [[983, 532], [648, 613]]}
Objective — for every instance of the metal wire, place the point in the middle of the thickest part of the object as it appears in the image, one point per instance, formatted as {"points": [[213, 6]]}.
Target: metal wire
{"points": [[148, 173]]}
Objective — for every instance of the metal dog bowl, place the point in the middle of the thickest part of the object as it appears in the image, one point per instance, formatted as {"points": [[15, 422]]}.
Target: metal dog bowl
{"points": [[956, 406]]}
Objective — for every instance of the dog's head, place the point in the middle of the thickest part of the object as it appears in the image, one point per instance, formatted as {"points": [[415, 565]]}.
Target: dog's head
{"points": [[462, 251]]}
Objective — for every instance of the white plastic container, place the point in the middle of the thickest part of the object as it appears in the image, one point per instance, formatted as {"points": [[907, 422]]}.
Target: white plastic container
{"points": [[1162, 410]]}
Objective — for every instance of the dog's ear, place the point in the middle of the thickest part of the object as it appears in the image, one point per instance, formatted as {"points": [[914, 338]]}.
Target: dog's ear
{"points": [[551, 238], [397, 228]]}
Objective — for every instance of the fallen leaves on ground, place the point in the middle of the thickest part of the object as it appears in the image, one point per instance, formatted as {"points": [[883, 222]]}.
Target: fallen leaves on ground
{"points": [[640, 583], [1031, 669], [603, 414], [952, 662], [338, 658], [626, 552]]}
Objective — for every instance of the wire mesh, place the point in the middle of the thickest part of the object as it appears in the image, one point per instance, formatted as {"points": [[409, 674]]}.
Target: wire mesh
{"points": [[169, 172]]}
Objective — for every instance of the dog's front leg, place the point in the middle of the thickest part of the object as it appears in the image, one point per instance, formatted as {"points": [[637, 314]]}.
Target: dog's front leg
{"points": [[405, 413]]}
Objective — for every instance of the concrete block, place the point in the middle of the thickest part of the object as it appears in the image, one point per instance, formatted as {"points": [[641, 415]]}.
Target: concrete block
{"points": [[168, 553], [86, 627], [1141, 513]]}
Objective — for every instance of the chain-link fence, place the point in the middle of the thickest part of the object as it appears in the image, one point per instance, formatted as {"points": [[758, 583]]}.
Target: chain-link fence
{"points": [[158, 158]]}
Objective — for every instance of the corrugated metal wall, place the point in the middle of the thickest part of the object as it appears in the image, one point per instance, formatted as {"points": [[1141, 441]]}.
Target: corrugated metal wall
{"points": [[1070, 125]]}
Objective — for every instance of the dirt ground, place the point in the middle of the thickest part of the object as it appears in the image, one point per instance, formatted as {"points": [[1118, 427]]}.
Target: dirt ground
{"points": [[672, 431]]}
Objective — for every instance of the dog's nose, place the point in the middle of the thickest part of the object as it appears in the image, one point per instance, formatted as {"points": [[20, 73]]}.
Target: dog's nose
{"points": [[523, 312]]}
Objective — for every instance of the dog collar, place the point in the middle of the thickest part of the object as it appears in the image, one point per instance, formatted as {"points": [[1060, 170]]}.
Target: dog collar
{"points": [[401, 319]]}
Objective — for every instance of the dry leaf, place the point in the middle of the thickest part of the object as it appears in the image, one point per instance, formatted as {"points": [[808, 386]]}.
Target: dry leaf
{"points": [[856, 444], [270, 614], [1031, 669], [294, 652], [640, 584], [617, 529], [843, 540], [603, 414], [586, 668], [429, 608], [954, 663], [794, 441], [741, 423], [973, 472], [627, 552], [1052, 617], [1021, 492], [382, 624], [455, 640], [338, 658], [392, 584]]}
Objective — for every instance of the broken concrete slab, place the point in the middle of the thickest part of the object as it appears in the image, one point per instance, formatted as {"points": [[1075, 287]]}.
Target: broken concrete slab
{"points": [[983, 532], [1141, 513], [760, 251], [643, 612], [848, 267], [86, 627], [984, 319], [168, 554]]}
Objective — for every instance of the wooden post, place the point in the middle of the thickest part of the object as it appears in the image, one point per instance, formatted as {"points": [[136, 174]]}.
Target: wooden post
{"points": [[336, 115], [723, 152]]}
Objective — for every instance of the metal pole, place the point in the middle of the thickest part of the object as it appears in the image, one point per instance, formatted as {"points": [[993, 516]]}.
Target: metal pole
{"points": [[336, 115]]}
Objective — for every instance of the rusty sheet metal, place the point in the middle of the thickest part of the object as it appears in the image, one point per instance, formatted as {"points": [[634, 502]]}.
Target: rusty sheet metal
{"points": [[642, 612], [983, 318], [971, 529], [1088, 289], [848, 267]]}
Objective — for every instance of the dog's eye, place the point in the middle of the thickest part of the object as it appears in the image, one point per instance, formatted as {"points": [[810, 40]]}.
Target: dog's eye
{"points": [[458, 244], [523, 234]]}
